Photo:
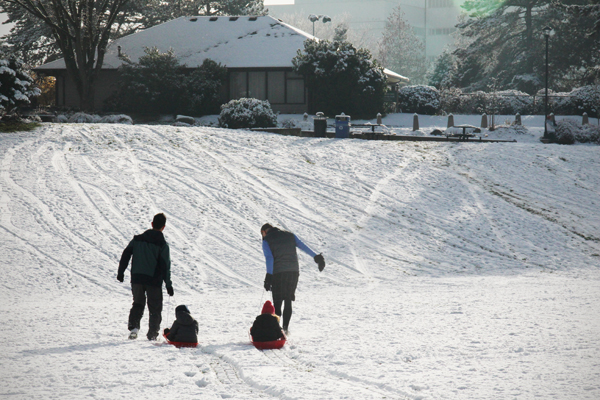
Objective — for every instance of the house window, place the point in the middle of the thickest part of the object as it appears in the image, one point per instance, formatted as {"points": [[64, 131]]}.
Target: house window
{"points": [[295, 88], [276, 85], [238, 85], [257, 85], [279, 87]]}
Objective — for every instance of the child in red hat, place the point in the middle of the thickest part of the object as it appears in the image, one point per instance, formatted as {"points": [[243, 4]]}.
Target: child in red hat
{"points": [[266, 326]]}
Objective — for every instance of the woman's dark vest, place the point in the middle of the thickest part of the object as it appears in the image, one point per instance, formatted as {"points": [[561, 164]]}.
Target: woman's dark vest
{"points": [[283, 247]]}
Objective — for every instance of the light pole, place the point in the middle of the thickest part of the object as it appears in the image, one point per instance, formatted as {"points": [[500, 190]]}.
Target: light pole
{"points": [[547, 31], [314, 18]]}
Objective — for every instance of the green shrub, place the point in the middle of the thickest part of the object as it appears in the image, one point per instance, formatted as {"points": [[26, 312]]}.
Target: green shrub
{"points": [[158, 84], [341, 78]]}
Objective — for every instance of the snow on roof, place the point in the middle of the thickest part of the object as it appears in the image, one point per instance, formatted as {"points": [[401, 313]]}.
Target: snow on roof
{"points": [[235, 42]]}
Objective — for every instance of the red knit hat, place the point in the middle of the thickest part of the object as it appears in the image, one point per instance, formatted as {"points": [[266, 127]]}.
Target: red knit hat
{"points": [[268, 308]]}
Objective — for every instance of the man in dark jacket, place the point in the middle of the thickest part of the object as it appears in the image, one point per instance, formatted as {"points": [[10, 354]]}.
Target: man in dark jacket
{"points": [[151, 266], [283, 270], [185, 327]]}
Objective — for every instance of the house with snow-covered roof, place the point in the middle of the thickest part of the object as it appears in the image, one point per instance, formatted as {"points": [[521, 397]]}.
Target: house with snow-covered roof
{"points": [[257, 52]]}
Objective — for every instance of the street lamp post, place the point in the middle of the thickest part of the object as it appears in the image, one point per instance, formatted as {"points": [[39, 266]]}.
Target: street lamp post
{"points": [[547, 31], [314, 18]]}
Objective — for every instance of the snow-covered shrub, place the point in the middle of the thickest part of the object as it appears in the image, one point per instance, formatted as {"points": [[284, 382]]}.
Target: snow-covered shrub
{"points": [[296, 123], [16, 85], [63, 119], [569, 131], [116, 119], [420, 99], [474, 103], [511, 102], [505, 102], [450, 100], [83, 118], [247, 113], [586, 99], [341, 78]]}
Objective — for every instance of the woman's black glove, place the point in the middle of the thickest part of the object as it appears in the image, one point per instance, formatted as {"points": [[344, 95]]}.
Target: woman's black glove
{"points": [[268, 280], [320, 261]]}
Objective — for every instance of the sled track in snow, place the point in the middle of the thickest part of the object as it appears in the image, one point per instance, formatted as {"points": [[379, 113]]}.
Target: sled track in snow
{"points": [[283, 359], [229, 380]]}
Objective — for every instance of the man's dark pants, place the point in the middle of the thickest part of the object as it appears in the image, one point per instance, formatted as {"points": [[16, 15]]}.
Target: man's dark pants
{"points": [[154, 297]]}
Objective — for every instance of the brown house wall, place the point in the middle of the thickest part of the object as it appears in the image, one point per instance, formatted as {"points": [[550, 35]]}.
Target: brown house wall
{"points": [[67, 96], [66, 91]]}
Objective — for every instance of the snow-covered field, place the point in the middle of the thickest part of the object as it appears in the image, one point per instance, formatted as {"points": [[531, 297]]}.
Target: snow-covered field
{"points": [[455, 271]]}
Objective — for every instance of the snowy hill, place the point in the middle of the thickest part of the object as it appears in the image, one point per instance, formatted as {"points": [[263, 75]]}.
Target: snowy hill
{"points": [[453, 270]]}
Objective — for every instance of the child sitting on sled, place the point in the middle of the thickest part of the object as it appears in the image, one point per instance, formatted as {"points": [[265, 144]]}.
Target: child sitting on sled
{"points": [[185, 327], [266, 326]]}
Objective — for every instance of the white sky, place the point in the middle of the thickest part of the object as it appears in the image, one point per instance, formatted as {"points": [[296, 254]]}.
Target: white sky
{"points": [[4, 29]]}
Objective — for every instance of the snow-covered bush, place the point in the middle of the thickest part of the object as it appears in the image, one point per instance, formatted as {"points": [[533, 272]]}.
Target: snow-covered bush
{"points": [[16, 85], [247, 113], [420, 99], [569, 131], [474, 103], [511, 102], [505, 102], [116, 119], [83, 118], [296, 123], [341, 78], [450, 100], [585, 99]]}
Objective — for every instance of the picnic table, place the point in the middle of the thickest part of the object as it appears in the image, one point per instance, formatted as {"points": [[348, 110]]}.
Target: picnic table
{"points": [[367, 125], [464, 135]]}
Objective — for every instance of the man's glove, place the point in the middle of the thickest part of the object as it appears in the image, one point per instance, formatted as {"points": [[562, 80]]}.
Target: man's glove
{"points": [[268, 282], [120, 277], [170, 290], [320, 261]]}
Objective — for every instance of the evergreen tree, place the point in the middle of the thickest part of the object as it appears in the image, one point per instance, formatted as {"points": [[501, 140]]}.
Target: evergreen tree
{"points": [[341, 78], [16, 85], [504, 41], [400, 50], [443, 69]]}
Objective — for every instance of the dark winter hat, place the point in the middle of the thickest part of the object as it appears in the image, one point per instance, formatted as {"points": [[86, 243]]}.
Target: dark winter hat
{"points": [[268, 308], [183, 308]]}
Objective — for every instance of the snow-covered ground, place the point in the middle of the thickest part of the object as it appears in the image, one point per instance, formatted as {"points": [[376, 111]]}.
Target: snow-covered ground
{"points": [[454, 270]]}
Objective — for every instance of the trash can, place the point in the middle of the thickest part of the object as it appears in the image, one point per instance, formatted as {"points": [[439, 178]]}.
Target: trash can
{"points": [[342, 126], [320, 125]]}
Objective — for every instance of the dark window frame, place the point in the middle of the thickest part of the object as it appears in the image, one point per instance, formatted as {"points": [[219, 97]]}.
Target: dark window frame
{"points": [[286, 78]]}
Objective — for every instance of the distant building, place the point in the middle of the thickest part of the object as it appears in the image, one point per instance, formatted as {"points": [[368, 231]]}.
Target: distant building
{"points": [[257, 52], [432, 20]]}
